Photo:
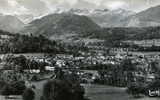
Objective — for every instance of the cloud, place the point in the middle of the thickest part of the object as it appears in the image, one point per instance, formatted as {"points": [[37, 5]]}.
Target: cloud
{"points": [[116, 5], [95, 2], [36, 7], [41, 7], [3, 4], [11, 7]]}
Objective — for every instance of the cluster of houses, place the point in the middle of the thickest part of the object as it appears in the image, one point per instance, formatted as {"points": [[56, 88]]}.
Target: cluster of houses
{"points": [[141, 61]]}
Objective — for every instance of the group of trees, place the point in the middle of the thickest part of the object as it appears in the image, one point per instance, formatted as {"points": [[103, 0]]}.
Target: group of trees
{"points": [[24, 44], [141, 89], [14, 88], [62, 90], [137, 89], [20, 63], [64, 87], [118, 74]]}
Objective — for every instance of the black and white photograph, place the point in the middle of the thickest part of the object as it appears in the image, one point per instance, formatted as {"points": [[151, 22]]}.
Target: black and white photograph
{"points": [[79, 49]]}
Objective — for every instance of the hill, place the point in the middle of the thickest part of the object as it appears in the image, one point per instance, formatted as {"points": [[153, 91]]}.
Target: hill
{"points": [[61, 24]]}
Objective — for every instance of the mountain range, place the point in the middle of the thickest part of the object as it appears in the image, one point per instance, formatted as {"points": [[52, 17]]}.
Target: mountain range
{"points": [[121, 17], [105, 17], [69, 23]]}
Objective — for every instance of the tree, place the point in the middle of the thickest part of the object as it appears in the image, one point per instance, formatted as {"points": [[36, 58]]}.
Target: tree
{"points": [[154, 85], [62, 90], [128, 67], [28, 94], [7, 90], [56, 90], [154, 67], [135, 89], [59, 73]]}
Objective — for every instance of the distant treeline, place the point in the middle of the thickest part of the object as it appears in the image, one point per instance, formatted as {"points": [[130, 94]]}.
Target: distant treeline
{"points": [[148, 49], [135, 47]]}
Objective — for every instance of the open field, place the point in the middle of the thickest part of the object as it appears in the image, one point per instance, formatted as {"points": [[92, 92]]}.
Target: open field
{"points": [[100, 92]]}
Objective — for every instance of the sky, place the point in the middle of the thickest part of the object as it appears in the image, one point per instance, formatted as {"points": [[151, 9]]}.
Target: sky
{"points": [[41, 7]]}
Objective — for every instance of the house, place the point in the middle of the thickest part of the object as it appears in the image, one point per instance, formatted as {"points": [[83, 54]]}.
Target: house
{"points": [[36, 71], [150, 78], [60, 63], [49, 68]]}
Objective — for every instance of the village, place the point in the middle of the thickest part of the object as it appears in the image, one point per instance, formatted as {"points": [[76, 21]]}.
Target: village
{"points": [[119, 68]]}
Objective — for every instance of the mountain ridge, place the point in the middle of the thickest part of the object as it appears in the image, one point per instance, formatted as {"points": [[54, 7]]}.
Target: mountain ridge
{"points": [[61, 24]]}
